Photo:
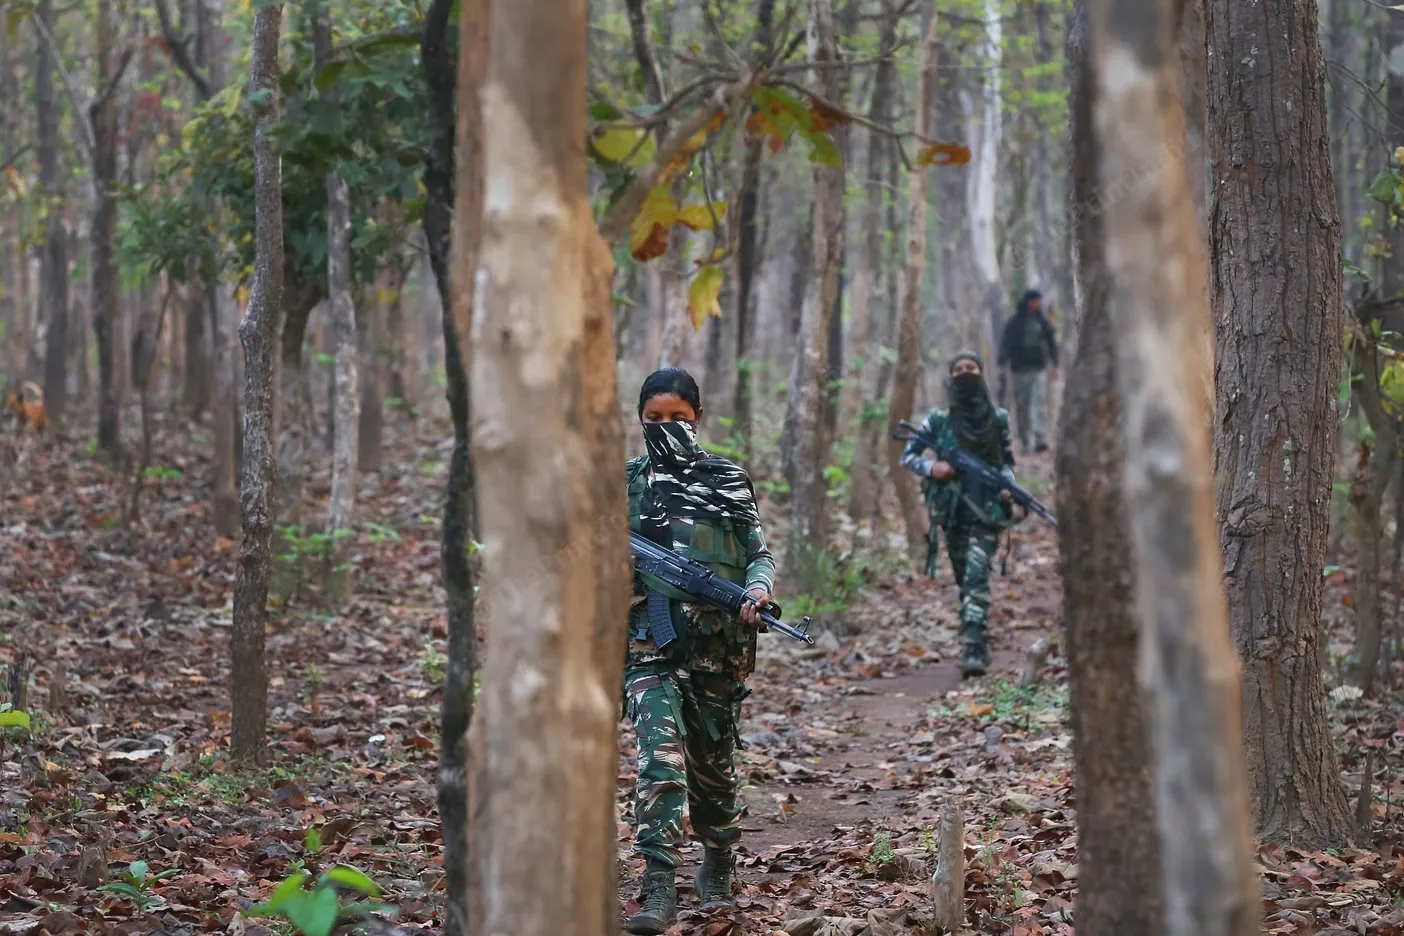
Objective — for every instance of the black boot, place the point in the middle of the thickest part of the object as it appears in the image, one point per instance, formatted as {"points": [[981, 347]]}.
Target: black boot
{"points": [[975, 660], [658, 902], [713, 879]]}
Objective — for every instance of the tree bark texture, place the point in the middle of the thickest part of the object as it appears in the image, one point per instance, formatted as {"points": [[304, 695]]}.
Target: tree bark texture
{"points": [[105, 312], [1278, 318], [985, 130], [1188, 670], [219, 304], [1118, 848], [555, 569], [748, 262], [869, 288], [53, 274], [258, 333], [810, 377], [346, 414], [908, 334], [455, 88]]}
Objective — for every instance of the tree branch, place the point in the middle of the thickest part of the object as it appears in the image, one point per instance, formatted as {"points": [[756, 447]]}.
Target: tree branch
{"points": [[80, 113], [176, 45], [643, 51], [618, 220], [101, 101]]}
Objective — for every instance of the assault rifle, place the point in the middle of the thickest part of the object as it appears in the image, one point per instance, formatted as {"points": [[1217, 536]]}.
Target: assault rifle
{"points": [[974, 474], [700, 584]]}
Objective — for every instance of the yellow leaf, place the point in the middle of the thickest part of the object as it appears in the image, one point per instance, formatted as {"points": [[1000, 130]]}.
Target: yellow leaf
{"points": [[703, 293], [700, 217], [977, 710], [634, 148], [659, 210], [944, 154]]}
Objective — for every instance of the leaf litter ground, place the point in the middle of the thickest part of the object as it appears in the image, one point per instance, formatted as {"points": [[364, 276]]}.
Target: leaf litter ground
{"points": [[852, 747]]}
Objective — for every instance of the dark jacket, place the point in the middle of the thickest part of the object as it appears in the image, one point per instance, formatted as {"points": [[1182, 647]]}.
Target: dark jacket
{"points": [[1029, 342]]}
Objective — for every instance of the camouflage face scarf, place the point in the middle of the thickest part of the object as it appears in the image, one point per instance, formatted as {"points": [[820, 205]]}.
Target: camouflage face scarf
{"points": [[685, 484], [973, 417]]}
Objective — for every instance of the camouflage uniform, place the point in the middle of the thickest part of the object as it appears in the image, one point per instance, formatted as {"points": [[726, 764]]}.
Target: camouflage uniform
{"points": [[685, 702], [972, 531]]}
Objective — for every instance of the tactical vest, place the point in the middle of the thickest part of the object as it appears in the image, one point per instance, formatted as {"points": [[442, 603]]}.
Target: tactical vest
{"points": [[713, 543]]}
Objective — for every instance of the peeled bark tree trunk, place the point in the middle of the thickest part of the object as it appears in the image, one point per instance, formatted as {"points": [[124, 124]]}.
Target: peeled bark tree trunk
{"points": [[809, 378], [555, 569], [908, 364], [346, 415], [258, 332], [103, 116], [1188, 669], [1118, 848], [869, 288], [1277, 302], [456, 193], [54, 266], [985, 129]]}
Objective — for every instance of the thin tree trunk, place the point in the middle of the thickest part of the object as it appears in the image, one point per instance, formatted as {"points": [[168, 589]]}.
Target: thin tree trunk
{"points": [[105, 311], [258, 332], [809, 377], [219, 303], [371, 340], [1118, 848], [457, 192], [1188, 669], [869, 286], [346, 410], [296, 409], [1277, 303], [54, 268], [542, 334], [908, 363], [986, 131], [198, 373]]}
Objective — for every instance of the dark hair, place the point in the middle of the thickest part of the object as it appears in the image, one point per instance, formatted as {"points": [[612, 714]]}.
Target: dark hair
{"points": [[965, 355], [670, 380], [1029, 296]]}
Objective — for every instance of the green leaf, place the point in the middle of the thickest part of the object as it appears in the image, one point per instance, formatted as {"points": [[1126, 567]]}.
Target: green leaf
{"points": [[138, 869], [389, 43], [314, 914], [312, 842], [14, 720], [824, 152], [123, 888], [326, 76], [347, 876], [288, 890], [603, 111], [1385, 187]]}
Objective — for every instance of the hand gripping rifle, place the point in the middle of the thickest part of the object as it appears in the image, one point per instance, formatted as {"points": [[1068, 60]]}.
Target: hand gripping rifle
{"points": [[700, 584], [974, 473]]}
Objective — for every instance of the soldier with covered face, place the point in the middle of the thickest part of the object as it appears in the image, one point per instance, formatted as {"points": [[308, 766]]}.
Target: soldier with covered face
{"points": [[685, 699], [975, 424]]}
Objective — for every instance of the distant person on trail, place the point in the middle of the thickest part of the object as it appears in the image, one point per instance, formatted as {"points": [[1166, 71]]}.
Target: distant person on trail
{"points": [[976, 425], [1028, 348], [685, 699]]}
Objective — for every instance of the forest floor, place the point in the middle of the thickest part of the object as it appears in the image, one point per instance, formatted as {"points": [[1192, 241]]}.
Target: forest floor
{"points": [[852, 747]]}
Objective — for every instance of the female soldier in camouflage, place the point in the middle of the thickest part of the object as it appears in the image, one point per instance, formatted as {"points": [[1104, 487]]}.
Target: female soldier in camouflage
{"points": [[972, 529], [684, 700]]}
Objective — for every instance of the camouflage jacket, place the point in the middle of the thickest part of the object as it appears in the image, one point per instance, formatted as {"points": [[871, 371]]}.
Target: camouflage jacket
{"points": [[943, 498], [715, 641]]}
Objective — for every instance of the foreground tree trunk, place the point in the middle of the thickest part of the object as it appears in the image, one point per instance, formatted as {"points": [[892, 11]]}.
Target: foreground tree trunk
{"points": [[1188, 670], [909, 328], [809, 378], [463, 198], [1118, 854], [986, 131], [555, 570], [1277, 302], [53, 274], [258, 332]]}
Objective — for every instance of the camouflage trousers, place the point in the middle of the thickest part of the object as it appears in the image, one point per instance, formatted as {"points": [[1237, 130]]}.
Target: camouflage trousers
{"points": [[686, 724], [972, 548]]}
